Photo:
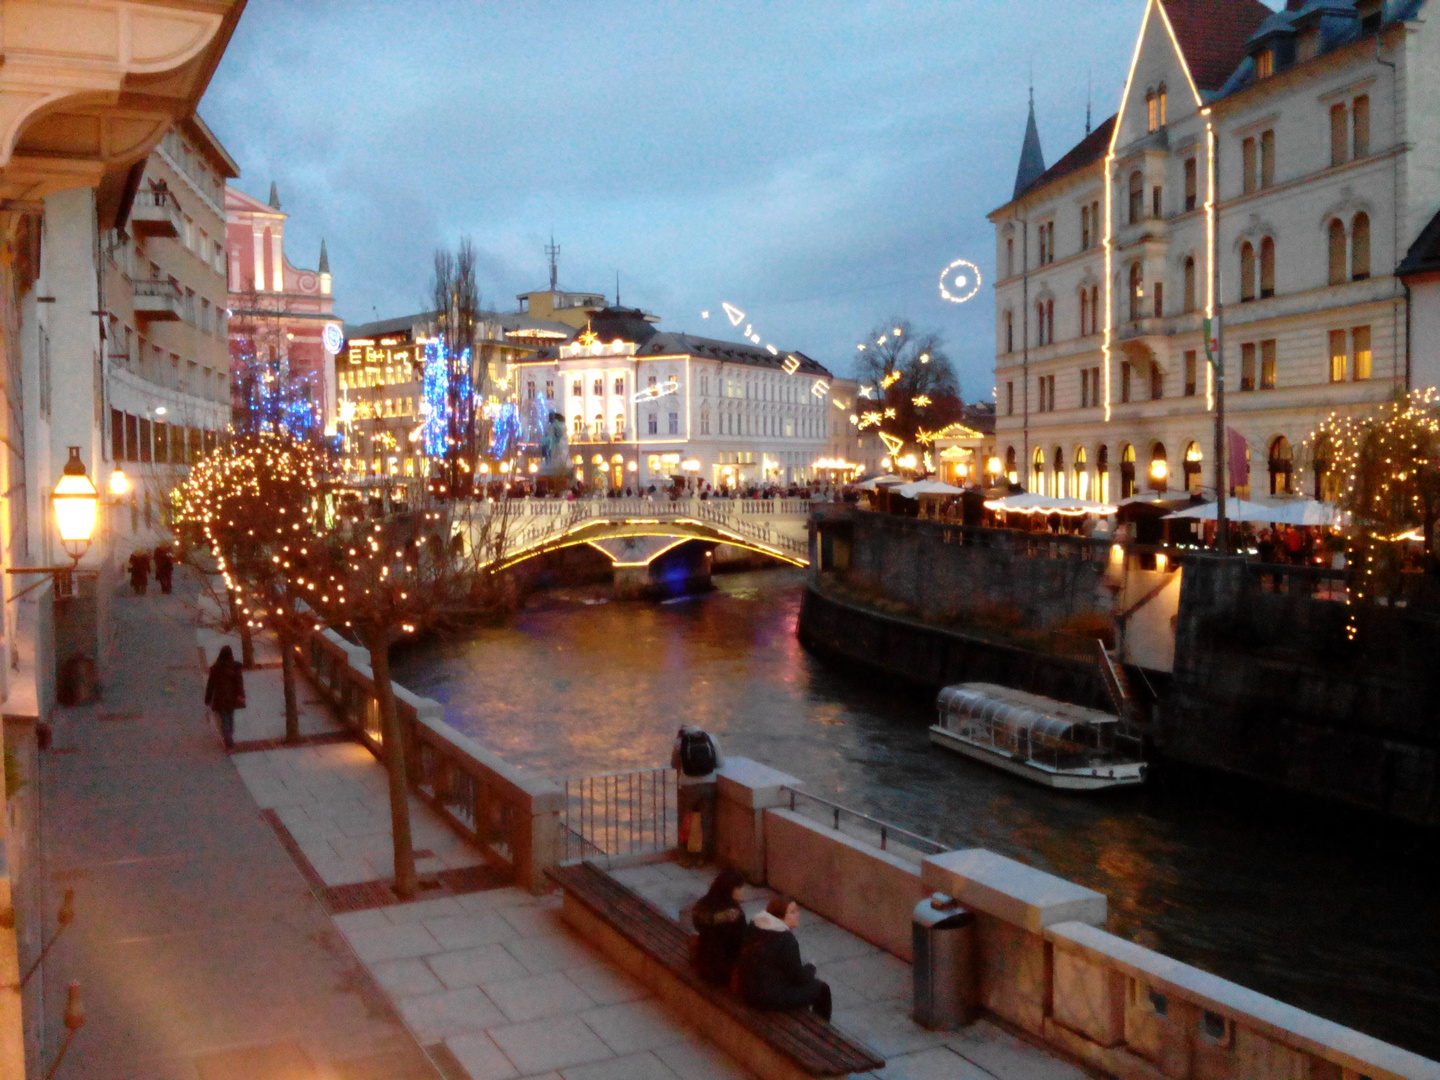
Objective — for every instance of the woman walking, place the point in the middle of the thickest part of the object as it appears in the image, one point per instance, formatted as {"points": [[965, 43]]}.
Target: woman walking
{"points": [[225, 692]]}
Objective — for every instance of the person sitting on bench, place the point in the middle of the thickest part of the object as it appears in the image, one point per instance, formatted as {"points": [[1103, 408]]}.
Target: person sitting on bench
{"points": [[720, 922], [769, 970]]}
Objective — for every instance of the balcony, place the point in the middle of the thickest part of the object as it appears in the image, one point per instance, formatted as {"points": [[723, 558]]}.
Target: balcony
{"points": [[155, 213], [158, 301]]}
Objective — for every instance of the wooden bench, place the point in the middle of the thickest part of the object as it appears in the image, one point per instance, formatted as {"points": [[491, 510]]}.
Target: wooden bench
{"points": [[655, 949]]}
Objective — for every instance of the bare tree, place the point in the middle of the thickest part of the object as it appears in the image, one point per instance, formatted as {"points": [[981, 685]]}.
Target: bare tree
{"points": [[913, 388], [456, 297]]}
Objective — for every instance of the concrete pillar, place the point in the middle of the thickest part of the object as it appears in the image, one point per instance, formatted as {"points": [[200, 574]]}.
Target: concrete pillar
{"points": [[746, 789], [631, 582]]}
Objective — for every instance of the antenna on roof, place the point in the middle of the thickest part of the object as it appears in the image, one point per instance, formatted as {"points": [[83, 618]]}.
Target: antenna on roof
{"points": [[552, 252], [617, 288], [1087, 101]]}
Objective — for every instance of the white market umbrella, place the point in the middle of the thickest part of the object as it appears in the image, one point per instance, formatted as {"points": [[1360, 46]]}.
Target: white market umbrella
{"points": [[1308, 512], [1030, 502], [1235, 510], [874, 485], [926, 487]]}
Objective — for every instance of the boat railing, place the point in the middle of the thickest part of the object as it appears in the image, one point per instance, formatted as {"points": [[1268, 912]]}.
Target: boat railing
{"points": [[860, 826]]}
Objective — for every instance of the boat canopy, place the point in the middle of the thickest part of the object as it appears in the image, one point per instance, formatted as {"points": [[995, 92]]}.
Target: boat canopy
{"points": [[1018, 710]]}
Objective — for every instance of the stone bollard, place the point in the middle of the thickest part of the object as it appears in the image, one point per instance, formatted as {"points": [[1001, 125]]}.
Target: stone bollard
{"points": [[746, 789]]}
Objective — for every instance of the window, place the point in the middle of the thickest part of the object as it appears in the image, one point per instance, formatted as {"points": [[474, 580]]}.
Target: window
{"points": [[1137, 292], [1339, 135], [1102, 474], [1162, 105], [1247, 166], [578, 426], [674, 425], [577, 388], [1137, 197], [1046, 236], [1281, 470], [1267, 267], [1247, 366], [1049, 321], [1009, 256], [1010, 463], [1192, 372], [1084, 312], [1037, 471], [1247, 272], [1267, 364], [1057, 479], [1084, 388], [1192, 184], [1010, 329], [704, 423], [1085, 228], [1095, 386], [1157, 381], [1360, 343], [1127, 471], [620, 387], [1152, 111], [1193, 458], [1095, 309], [530, 391], [1188, 300], [1360, 124], [1009, 399], [1267, 159], [598, 388], [1159, 299], [599, 428], [1159, 470], [1337, 252], [1338, 356], [1265, 64], [1124, 380], [1156, 201], [1360, 247], [652, 424]]}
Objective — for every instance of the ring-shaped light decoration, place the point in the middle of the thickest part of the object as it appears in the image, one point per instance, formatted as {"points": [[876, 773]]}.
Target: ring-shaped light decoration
{"points": [[959, 281]]}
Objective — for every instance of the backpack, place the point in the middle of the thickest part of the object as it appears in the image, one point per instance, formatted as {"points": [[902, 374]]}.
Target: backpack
{"points": [[697, 753]]}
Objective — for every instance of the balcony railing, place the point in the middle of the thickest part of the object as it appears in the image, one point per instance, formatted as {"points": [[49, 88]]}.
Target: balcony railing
{"points": [[155, 213], [160, 301]]}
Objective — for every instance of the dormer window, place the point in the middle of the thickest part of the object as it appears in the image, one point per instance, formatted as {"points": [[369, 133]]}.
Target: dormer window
{"points": [[1161, 102], [1152, 110], [1265, 64]]}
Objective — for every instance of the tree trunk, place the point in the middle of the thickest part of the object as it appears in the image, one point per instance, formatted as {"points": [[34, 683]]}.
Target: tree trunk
{"points": [[377, 641], [241, 622], [287, 674]]}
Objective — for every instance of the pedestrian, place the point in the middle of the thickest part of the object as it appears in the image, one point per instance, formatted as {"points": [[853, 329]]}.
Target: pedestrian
{"points": [[720, 923], [769, 971], [225, 692], [695, 757], [139, 571], [164, 567]]}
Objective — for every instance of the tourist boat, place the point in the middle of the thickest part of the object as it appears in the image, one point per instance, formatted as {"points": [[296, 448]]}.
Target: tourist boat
{"points": [[1050, 742]]}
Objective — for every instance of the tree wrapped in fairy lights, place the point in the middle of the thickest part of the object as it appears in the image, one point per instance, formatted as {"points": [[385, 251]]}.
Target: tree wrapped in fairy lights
{"points": [[255, 501], [910, 386], [383, 577], [1386, 465]]}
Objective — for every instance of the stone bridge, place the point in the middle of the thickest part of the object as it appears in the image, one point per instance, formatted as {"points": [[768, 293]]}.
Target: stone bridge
{"points": [[632, 533]]}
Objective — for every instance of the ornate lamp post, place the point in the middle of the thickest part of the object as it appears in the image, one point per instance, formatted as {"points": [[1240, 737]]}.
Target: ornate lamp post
{"points": [[76, 502]]}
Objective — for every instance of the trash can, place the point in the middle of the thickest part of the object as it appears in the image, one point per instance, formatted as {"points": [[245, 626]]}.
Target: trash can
{"points": [[943, 934]]}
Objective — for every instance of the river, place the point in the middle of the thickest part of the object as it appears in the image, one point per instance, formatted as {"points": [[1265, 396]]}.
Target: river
{"points": [[1337, 916]]}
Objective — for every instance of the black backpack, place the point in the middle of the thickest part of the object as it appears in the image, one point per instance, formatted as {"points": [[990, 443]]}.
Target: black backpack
{"points": [[697, 753]]}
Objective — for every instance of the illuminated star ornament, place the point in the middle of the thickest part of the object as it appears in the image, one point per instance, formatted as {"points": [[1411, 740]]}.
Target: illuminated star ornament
{"points": [[959, 281]]}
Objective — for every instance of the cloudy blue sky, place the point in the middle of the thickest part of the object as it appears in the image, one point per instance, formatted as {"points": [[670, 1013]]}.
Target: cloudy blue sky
{"points": [[816, 163]]}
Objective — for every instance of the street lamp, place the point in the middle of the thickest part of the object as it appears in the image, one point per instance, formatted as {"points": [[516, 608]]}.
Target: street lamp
{"points": [[76, 501], [119, 483]]}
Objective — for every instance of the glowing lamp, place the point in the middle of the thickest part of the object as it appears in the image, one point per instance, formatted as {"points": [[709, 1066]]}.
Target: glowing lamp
{"points": [[1159, 470], [534, 468], [75, 504], [993, 466], [485, 467], [690, 465], [632, 466], [119, 483]]}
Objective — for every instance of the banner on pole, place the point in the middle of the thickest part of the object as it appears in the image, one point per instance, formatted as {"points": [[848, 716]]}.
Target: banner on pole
{"points": [[1212, 340]]}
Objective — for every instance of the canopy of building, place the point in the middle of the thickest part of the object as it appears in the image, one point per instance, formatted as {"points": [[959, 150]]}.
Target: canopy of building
{"points": [[1235, 510], [1030, 502], [920, 489]]}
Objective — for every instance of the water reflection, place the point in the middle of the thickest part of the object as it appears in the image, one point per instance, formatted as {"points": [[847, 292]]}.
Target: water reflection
{"points": [[1338, 918]]}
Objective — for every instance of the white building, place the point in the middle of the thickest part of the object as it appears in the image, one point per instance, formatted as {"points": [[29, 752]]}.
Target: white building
{"points": [[643, 407], [1270, 168]]}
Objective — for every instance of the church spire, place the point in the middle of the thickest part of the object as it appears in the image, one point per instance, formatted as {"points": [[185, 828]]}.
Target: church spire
{"points": [[1032, 161], [274, 195], [324, 258]]}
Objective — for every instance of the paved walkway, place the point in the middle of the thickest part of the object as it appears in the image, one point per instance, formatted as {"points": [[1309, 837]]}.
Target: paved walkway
{"points": [[201, 949], [872, 995]]}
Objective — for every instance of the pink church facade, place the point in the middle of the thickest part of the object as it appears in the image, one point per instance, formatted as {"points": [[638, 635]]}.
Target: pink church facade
{"points": [[277, 305]]}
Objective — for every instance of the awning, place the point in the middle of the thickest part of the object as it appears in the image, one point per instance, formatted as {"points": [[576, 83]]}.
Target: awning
{"points": [[922, 488], [1032, 503], [1235, 510]]}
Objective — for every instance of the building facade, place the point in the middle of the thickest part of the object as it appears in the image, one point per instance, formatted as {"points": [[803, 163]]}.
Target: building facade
{"points": [[280, 312], [1265, 170]]}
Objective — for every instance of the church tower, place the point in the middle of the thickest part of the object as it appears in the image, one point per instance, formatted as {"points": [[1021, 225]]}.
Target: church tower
{"points": [[1032, 160]]}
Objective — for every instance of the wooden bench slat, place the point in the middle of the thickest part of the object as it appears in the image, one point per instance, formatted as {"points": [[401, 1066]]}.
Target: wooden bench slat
{"points": [[816, 1046]]}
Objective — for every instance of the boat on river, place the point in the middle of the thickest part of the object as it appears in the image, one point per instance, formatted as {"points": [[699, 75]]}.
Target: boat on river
{"points": [[1049, 742]]}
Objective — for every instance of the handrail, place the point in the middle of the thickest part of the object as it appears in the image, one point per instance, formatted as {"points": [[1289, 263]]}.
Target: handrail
{"points": [[884, 826]]}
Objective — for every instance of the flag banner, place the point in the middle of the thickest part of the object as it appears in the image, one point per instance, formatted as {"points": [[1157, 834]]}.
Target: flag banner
{"points": [[1212, 339], [1238, 453]]}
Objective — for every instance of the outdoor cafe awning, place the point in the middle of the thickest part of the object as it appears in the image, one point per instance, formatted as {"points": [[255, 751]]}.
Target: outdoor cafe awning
{"points": [[1033, 503]]}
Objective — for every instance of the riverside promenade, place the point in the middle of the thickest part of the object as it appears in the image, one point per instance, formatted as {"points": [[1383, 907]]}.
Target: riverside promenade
{"points": [[233, 922]]}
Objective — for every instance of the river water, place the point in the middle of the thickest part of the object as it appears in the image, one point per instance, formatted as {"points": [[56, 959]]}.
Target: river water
{"points": [[1337, 916]]}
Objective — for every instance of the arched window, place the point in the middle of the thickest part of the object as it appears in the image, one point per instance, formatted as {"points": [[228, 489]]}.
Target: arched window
{"points": [[1193, 459], [1009, 331], [1189, 284], [1337, 252], [1037, 471], [1084, 312], [1082, 478], [1102, 474], [1151, 111], [599, 426], [1162, 105], [619, 428], [579, 426], [1137, 197], [1159, 468], [1049, 321], [1039, 322], [1137, 291], [1360, 247], [1267, 267], [1058, 474], [1247, 272], [1127, 470], [1281, 465], [1095, 309], [1010, 473], [1327, 480]]}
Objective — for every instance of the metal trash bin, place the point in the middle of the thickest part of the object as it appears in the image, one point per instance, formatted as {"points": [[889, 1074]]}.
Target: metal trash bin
{"points": [[943, 934]]}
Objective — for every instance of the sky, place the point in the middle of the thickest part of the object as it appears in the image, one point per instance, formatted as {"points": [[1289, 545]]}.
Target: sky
{"points": [[816, 164]]}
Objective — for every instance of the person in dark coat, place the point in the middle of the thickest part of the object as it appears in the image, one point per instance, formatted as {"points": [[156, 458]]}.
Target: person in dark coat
{"points": [[770, 972], [225, 692], [139, 572], [164, 567], [720, 922]]}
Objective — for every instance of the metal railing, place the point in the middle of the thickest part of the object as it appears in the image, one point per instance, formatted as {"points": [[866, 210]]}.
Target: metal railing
{"points": [[617, 816], [871, 830]]}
